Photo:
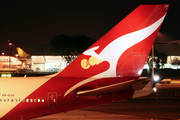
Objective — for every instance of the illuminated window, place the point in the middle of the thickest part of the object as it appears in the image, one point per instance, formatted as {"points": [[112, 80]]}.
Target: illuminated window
{"points": [[38, 100], [34, 100], [54, 100], [31, 100], [42, 100], [27, 100]]}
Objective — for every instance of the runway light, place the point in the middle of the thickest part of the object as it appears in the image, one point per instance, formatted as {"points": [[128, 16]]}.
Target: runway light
{"points": [[156, 78], [5, 75], [8, 75]]}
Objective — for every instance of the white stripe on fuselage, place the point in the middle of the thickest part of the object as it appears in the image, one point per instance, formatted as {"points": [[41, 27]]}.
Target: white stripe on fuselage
{"points": [[17, 88], [114, 50]]}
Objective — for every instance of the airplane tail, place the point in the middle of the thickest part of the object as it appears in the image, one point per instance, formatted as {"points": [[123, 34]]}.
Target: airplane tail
{"points": [[21, 53], [122, 52]]}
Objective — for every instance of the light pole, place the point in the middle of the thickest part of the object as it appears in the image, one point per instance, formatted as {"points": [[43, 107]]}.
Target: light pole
{"points": [[153, 61], [9, 44]]}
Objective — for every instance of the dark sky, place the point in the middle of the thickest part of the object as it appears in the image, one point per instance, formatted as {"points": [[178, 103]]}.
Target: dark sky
{"points": [[25, 22]]}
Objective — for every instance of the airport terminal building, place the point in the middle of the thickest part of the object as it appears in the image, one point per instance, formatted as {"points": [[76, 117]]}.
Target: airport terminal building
{"points": [[43, 59]]}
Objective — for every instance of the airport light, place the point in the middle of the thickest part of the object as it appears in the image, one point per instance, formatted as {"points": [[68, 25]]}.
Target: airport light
{"points": [[154, 89], [10, 43], [3, 53], [156, 78], [8, 75], [5, 75], [17, 55]]}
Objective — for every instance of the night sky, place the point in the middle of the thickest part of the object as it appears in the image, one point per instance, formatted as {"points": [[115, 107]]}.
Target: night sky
{"points": [[38, 21]]}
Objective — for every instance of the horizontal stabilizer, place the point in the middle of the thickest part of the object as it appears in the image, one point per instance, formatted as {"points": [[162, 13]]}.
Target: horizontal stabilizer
{"points": [[115, 88]]}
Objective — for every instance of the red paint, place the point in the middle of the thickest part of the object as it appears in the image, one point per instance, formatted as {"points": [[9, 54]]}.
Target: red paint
{"points": [[128, 67]]}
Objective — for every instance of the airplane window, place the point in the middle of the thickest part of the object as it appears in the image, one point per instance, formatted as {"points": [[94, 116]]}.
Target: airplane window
{"points": [[54, 100], [15, 100], [7, 100], [34, 100], [11, 100], [38, 100], [0, 100], [23, 100], [27, 100], [19, 100], [42, 100], [31, 100], [4, 100]]}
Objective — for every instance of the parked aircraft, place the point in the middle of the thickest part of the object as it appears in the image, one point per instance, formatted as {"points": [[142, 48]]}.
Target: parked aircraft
{"points": [[106, 72], [22, 53], [6, 60], [9, 64]]}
